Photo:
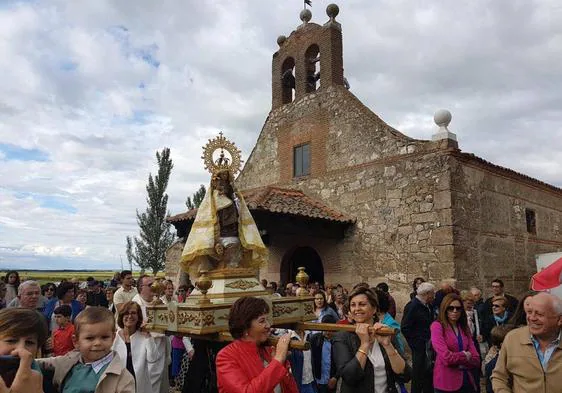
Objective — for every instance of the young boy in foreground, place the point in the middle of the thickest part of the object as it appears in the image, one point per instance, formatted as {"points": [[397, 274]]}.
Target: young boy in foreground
{"points": [[22, 333], [94, 367]]}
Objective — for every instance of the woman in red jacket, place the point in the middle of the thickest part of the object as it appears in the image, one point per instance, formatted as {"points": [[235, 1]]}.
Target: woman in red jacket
{"points": [[247, 365]]}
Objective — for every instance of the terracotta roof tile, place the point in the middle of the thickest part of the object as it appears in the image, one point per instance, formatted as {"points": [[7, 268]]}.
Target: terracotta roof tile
{"points": [[283, 201], [187, 216]]}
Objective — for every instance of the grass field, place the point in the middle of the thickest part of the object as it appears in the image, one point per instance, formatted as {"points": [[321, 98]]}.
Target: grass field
{"points": [[45, 276]]}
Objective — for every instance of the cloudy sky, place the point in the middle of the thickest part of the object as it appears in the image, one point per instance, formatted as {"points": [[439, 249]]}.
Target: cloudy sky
{"points": [[92, 89]]}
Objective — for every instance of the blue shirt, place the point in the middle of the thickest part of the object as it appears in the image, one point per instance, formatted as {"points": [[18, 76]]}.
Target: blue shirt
{"points": [[389, 321], [326, 362], [544, 358]]}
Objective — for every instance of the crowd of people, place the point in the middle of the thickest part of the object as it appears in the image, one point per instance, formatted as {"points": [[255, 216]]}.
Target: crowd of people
{"points": [[90, 337]]}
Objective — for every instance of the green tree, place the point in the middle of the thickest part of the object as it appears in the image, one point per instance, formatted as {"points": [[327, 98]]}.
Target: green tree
{"points": [[148, 251], [195, 200]]}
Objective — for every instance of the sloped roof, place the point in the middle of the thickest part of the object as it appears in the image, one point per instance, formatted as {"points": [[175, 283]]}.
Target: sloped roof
{"points": [[470, 157], [281, 201]]}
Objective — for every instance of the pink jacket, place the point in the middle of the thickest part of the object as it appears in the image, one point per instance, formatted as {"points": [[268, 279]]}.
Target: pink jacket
{"points": [[447, 375]]}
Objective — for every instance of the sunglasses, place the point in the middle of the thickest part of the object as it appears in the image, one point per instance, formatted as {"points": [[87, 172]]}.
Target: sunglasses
{"points": [[497, 305], [454, 308], [49, 289]]}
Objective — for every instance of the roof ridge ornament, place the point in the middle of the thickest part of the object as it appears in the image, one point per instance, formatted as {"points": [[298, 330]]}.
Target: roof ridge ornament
{"points": [[442, 119], [305, 15], [232, 164], [332, 10]]}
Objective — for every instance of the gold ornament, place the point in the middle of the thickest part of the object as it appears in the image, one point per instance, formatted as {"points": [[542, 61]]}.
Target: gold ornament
{"points": [[242, 284], [283, 310], [302, 278], [233, 165]]}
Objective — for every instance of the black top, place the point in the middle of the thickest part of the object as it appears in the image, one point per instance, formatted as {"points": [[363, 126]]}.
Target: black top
{"points": [[97, 299], [316, 341], [415, 324], [488, 323], [357, 379], [130, 360]]}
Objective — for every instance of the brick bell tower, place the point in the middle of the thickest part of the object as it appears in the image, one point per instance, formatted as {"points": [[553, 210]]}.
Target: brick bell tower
{"points": [[311, 58]]}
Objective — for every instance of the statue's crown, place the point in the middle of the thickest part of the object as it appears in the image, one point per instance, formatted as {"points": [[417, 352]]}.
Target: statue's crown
{"points": [[233, 164]]}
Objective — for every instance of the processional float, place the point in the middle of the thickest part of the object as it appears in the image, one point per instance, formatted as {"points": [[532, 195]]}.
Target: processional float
{"points": [[222, 255]]}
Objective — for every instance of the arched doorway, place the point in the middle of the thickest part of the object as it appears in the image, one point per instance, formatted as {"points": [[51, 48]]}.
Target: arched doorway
{"points": [[302, 256]]}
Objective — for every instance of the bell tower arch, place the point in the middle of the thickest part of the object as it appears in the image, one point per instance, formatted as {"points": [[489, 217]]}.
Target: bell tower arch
{"points": [[310, 48]]}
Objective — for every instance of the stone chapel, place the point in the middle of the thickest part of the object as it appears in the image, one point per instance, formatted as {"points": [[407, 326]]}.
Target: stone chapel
{"points": [[334, 188]]}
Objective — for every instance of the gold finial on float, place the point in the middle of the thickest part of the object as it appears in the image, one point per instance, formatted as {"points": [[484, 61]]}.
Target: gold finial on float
{"points": [[203, 284], [302, 279]]}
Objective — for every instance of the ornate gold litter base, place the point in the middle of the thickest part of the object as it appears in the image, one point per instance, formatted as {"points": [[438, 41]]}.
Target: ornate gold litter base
{"points": [[206, 311]]}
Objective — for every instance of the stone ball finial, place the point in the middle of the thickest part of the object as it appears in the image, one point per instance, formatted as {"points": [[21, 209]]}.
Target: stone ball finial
{"points": [[306, 15], [281, 40], [442, 118], [332, 10]]}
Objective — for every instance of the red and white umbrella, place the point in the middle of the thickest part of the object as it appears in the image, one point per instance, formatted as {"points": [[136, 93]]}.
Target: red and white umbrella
{"points": [[548, 278]]}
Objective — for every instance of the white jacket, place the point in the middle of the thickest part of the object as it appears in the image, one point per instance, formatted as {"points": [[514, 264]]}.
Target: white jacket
{"points": [[147, 360], [162, 344]]}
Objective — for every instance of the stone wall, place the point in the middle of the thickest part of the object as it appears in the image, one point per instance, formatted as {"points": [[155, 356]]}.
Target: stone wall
{"points": [[173, 257], [396, 187], [491, 238], [403, 227], [342, 132]]}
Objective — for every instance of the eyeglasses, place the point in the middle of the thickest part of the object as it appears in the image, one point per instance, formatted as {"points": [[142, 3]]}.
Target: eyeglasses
{"points": [[454, 308]]}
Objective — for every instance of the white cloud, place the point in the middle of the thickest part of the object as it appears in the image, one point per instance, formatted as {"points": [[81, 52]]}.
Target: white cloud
{"points": [[80, 84]]}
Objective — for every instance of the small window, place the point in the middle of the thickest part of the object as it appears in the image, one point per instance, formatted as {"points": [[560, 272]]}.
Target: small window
{"points": [[531, 219], [301, 160]]}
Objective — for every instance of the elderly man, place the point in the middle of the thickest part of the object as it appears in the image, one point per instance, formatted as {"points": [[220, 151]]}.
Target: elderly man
{"points": [[478, 301], [418, 316], [29, 296], [530, 358]]}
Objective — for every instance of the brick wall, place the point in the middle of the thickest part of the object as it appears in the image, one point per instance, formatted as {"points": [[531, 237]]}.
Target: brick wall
{"points": [[313, 130], [328, 38]]}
